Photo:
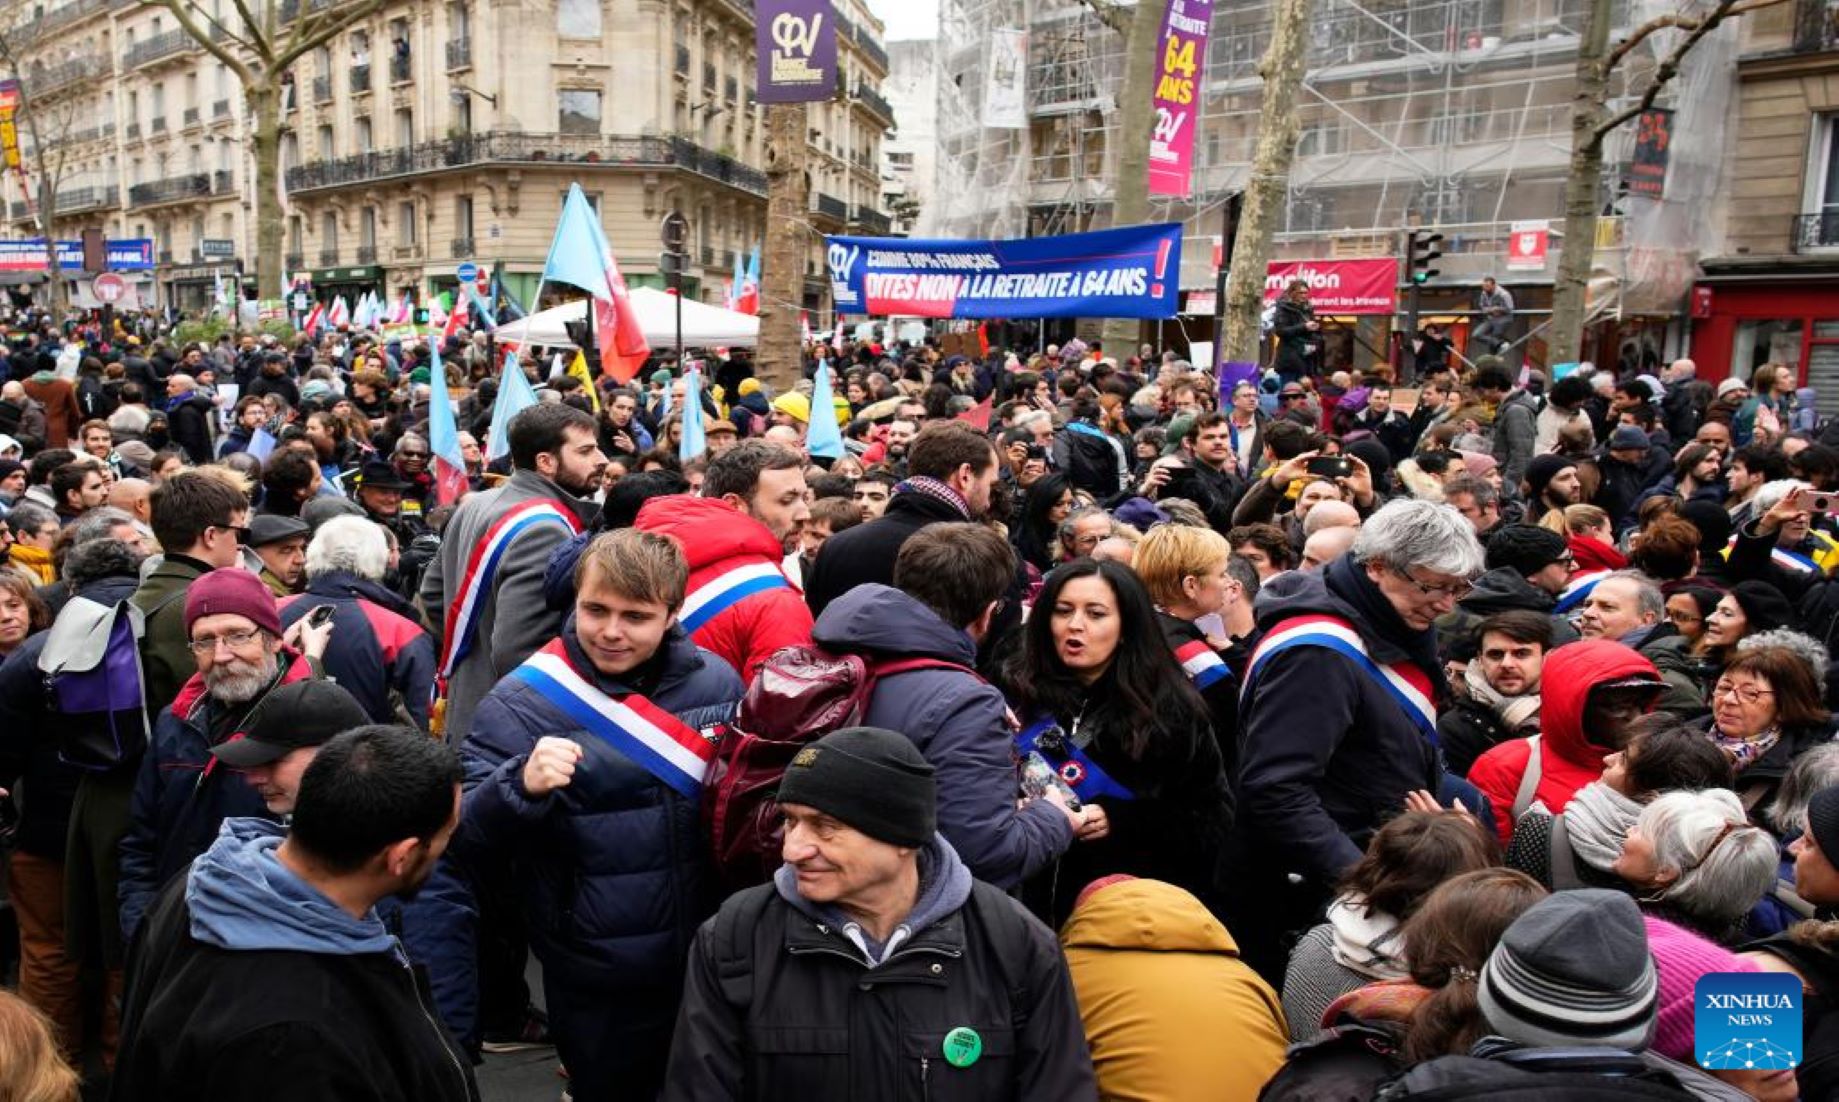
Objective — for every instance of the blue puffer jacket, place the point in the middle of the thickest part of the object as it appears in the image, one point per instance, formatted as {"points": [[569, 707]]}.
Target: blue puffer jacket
{"points": [[959, 722], [377, 646], [614, 867]]}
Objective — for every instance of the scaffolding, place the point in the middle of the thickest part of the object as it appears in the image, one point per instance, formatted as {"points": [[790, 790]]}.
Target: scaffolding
{"points": [[1447, 113]]}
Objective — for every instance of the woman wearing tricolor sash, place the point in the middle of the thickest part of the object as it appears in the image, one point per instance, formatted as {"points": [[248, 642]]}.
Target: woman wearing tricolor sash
{"points": [[585, 764], [1190, 574], [1107, 706]]}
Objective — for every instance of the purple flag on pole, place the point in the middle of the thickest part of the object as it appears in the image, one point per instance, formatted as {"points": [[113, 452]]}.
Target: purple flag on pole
{"points": [[1181, 62], [795, 42]]}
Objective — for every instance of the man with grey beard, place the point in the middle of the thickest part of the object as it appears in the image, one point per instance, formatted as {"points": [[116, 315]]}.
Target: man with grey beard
{"points": [[182, 795]]}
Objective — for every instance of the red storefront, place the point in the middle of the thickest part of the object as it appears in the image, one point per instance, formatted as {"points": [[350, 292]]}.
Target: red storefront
{"points": [[1742, 320]]}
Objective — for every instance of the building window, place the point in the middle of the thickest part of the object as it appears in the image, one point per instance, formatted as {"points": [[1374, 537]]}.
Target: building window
{"points": [[325, 143], [364, 134], [367, 228], [578, 111], [463, 216], [296, 235], [405, 127], [328, 233], [578, 18], [405, 224], [1823, 185]]}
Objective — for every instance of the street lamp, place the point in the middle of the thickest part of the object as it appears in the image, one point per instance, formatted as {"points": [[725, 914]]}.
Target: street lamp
{"points": [[460, 91]]}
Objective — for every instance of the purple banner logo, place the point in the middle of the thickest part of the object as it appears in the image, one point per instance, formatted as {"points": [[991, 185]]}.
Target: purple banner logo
{"points": [[1180, 64], [795, 41]]}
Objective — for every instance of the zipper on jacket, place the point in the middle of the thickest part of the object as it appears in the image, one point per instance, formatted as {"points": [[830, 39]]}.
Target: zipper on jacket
{"points": [[925, 1081], [439, 1033]]}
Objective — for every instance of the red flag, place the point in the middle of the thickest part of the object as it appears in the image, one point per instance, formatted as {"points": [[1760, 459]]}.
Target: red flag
{"points": [[460, 318], [983, 338], [623, 348], [450, 483], [978, 416]]}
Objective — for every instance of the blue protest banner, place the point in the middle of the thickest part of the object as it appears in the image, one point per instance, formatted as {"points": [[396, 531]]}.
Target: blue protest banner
{"points": [[1129, 272]]}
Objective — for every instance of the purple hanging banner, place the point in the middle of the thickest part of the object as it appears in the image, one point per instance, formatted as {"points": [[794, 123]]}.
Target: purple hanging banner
{"points": [[1181, 62], [795, 42]]}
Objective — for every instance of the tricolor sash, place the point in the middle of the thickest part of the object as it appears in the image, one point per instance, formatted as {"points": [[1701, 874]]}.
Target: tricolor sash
{"points": [[481, 572], [1080, 772], [725, 590], [1202, 664], [1578, 590], [1792, 561], [1408, 686], [652, 738]]}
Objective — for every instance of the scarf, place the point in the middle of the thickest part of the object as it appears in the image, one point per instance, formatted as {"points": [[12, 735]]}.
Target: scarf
{"points": [[1380, 622], [34, 561], [1593, 554], [1516, 712], [1386, 1001], [1596, 821], [1743, 752], [1366, 942], [938, 491]]}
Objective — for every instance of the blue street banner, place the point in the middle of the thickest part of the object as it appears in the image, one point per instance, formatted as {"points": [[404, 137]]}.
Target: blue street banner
{"points": [[1128, 272], [124, 255]]}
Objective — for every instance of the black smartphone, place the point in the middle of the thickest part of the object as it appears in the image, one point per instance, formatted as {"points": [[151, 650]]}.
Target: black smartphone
{"points": [[320, 616], [1035, 451], [1330, 466]]}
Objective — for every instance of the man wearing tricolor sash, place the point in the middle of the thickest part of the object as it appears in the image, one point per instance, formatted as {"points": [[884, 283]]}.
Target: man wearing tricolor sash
{"points": [[586, 765], [1783, 546], [740, 604], [1339, 713], [484, 591]]}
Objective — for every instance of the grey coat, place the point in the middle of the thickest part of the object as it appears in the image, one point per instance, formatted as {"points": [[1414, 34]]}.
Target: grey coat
{"points": [[513, 619]]}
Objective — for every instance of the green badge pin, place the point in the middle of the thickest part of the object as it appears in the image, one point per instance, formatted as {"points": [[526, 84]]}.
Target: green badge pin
{"points": [[963, 1047]]}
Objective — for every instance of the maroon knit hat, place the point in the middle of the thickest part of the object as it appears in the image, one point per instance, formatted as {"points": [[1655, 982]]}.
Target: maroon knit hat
{"points": [[232, 590]]}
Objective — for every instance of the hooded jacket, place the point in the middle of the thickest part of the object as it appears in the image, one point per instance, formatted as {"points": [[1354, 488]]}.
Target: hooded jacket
{"points": [[959, 722], [1327, 753], [189, 425], [182, 794], [1567, 759], [377, 653], [248, 982], [784, 1002], [717, 539], [1171, 1012], [62, 415]]}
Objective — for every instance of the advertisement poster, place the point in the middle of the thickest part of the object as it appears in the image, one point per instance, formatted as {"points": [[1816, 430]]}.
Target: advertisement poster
{"points": [[133, 254], [795, 43], [1527, 245], [1129, 272], [1005, 85], [1181, 66], [1339, 286]]}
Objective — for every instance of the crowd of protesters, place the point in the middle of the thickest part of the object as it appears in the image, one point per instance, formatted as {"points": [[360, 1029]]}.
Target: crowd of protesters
{"points": [[1086, 728]]}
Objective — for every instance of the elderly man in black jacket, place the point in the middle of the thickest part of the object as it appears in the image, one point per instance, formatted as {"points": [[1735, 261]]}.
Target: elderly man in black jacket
{"points": [[874, 966], [1339, 712]]}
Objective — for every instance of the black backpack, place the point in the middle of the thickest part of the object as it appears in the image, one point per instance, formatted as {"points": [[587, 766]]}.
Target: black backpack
{"points": [[1541, 1075]]}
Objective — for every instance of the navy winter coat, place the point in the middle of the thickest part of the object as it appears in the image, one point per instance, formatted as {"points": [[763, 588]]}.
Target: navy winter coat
{"points": [[959, 722], [614, 867], [377, 646]]}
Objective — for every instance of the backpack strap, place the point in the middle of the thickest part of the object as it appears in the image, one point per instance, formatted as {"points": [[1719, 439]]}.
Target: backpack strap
{"points": [[1005, 926], [1527, 793], [879, 670], [733, 944], [1563, 860]]}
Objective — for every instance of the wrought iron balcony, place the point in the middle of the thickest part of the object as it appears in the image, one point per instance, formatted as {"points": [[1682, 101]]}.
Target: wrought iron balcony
{"points": [[165, 256], [708, 256], [161, 46], [223, 181], [19, 210], [60, 17], [55, 78], [293, 262], [328, 258], [360, 80], [500, 147], [157, 124], [870, 221], [196, 185], [74, 200], [877, 105], [133, 131], [400, 72], [460, 248], [367, 254], [190, 117], [683, 61], [829, 206], [220, 109], [460, 53], [1816, 231], [1816, 25], [93, 133]]}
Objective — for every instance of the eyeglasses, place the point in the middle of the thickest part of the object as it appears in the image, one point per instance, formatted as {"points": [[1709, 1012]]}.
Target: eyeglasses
{"points": [[241, 530], [1455, 591], [236, 640], [1748, 694], [414, 455]]}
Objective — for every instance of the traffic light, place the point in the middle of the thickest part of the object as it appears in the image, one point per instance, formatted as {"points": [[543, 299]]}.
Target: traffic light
{"points": [[1421, 251]]}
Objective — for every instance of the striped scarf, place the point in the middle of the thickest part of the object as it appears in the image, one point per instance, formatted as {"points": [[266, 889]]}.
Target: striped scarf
{"points": [[938, 491]]}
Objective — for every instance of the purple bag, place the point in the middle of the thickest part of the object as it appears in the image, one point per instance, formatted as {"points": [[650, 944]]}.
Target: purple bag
{"points": [[94, 682]]}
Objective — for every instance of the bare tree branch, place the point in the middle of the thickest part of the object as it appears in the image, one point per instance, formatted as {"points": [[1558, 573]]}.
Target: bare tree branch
{"points": [[1680, 22], [203, 38], [1665, 71], [1115, 16], [323, 28]]}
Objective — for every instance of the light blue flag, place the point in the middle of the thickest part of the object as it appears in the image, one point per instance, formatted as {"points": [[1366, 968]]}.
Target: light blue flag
{"points": [[514, 396], [694, 442], [753, 269], [740, 279], [578, 254], [261, 444], [823, 437]]}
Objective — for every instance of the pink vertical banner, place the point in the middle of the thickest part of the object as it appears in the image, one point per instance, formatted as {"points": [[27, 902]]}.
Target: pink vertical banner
{"points": [[1181, 73]]}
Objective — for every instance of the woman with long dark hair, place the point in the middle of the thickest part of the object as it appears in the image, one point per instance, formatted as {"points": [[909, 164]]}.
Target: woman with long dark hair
{"points": [[1044, 506], [1106, 705]]}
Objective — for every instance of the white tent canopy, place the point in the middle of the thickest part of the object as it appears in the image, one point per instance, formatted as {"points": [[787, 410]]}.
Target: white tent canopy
{"points": [[704, 326]]}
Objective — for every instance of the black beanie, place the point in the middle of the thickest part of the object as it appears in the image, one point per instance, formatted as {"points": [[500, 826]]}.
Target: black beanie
{"points": [[1823, 822], [1712, 522], [1541, 471], [1525, 548], [868, 778], [1763, 606]]}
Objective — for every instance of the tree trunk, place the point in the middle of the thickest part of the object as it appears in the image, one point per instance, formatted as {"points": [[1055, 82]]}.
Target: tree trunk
{"points": [[47, 218], [1136, 112], [1582, 191], [265, 104], [779, 361], [1282, 70]]}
